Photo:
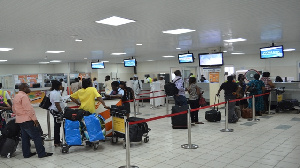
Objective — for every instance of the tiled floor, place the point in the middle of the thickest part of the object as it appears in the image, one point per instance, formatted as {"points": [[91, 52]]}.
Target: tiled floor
{"points": [[274, 141]]}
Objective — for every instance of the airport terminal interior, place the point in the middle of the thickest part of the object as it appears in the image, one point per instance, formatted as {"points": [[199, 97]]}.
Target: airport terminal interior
{"points": [[43, 40]]}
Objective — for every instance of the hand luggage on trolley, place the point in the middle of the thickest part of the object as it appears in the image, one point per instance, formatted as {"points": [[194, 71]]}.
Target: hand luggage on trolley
{"points": [[213, 115], [136, 131], [79, 126]]}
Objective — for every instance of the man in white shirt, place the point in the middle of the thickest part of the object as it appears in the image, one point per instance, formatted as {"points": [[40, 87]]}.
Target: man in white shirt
{"points": [[137, 88], [95, 84], [64, 86], [130, 83], [107, 85]]}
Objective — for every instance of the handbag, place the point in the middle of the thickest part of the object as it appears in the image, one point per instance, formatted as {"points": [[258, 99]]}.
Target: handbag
{"points": [[252, 88], [45, 104], [202, 101]]}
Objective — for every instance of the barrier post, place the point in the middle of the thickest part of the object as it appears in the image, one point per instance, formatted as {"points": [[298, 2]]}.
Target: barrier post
{"points": [[270, 103], [253, 110], [127, 138], [134, 107], [189, 145], [167, 104], [49, 138], [226, 119]]}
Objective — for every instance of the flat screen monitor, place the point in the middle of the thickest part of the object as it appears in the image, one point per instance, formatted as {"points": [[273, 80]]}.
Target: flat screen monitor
{"points": [[98, 65], [129, 62], [186, 58], [271, 52], [206, 60]]}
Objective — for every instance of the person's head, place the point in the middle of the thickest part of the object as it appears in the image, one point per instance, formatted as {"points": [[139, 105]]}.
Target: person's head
{"points": [[94, 79], [107, 78], [256, 76], [130, 78], [161, 78], [24, 87], [87, 83], [115, 85], [266, 74], [229, 79], [191, 74], [278, 79], [56, 85], [241, 77], [147, 76], [79, 78], [135, 78], [154, 79], [61, 80], [177, 73], [0, 85], [76, 80], [122, 85], [192, 80]]}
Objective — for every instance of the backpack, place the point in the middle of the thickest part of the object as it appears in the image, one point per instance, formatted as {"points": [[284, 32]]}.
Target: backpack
{"points": [[171, 89]]}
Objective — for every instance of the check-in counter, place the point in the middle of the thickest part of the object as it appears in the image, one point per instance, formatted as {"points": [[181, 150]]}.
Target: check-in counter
{"points": [[292, 90]]}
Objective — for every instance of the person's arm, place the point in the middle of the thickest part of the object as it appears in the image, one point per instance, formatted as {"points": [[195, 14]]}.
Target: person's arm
{"points": [[75, 101], [218, 94], [101, 100], [271, 84], [57, 105]]}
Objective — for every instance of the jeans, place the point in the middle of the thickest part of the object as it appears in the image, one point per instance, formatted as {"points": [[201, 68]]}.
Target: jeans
{"points": [[231, 106], [30, 131], [180, 100], [56, 131], [194, 115]]}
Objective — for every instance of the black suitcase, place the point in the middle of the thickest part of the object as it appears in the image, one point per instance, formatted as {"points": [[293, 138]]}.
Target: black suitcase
{"points": [[295, 102], [143, 125], [213, 115], [285, 105], [11, 130], [179, 121], [9, 147]]}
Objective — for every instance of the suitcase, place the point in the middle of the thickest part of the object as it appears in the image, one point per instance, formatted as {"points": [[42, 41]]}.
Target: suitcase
{"points": [[144, 125], [9, 147], [213, 115], [286, 105], [247, 113], [12, 129], [179, 121]]}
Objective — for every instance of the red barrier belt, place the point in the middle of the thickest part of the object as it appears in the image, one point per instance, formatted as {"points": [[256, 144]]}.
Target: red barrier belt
{"points": [[156, 118]]}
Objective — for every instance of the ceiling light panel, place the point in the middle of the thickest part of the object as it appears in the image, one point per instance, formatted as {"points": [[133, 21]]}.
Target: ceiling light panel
{"points": [[235, 40], [239, 53], [3, 60], [115, 21], [178, 31], [289, 49], [168, 56], [44, 62], [6, 49], [117, 53], [55, 61], [55, 52]]}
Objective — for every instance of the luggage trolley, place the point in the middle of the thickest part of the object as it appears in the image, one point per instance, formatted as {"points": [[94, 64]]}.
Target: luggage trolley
{"points": [[79, 132], [118, 122]]}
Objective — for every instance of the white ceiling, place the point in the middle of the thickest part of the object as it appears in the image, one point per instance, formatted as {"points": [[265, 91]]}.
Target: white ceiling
{"points": [[32, 27]]}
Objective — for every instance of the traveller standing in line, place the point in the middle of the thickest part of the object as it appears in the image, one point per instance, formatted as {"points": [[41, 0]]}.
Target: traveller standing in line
{"points": [[268, 87], [74, 86], [25, 116], [64, 88], [137, 88], [56, 109], [180, 99], [194, 94], [230, 89], [79, 83], [241, 82], [95, 84], [87, 96], [259, 89]]}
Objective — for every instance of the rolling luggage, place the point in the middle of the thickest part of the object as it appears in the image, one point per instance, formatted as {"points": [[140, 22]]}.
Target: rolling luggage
{"points": [[9, 147], [247, 113], [237, 110], [213, 115], [179, 121], [11, 130]]}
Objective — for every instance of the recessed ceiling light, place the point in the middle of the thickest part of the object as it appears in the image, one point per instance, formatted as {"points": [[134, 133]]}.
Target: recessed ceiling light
{"points": [[289, 49], [115, 21], [168, 56], [3, 60], [55, 52], [178, 48], [84, 58], [117, 53], [6, 49], [55, 61], [150, 60], [237, 53], [178, 31], [78, 40], [104, 61], [224, 51], [235, 40], [44, 62], [139, 44]]}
